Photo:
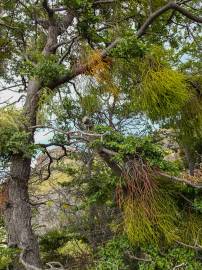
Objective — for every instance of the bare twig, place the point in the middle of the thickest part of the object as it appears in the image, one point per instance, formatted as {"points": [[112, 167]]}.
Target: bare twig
{"points": [[195, 247], [10, 87], [179, 266], [180, 180], [133, 257], [68, 50]]}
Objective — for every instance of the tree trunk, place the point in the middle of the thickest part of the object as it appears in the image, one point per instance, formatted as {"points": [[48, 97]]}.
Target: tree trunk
{"points": [[190, 157], [18, 211]]}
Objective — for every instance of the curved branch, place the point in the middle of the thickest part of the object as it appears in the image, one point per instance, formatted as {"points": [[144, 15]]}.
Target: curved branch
{"points": [[51, 159], [186, 13]]}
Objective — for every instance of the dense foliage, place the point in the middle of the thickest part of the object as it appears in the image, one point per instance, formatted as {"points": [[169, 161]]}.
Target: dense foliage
{"points": [[104, 80]]}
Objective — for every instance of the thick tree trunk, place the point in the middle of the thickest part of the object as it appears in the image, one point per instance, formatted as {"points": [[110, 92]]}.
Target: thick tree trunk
{"points": [[18, 211]]}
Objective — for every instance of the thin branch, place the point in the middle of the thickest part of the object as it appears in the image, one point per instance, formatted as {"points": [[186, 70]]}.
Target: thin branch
{"points": [[58, 45], [179, 266], [196, 247], [133, 257], [186, 199], [180, 180], [76, 91], [14, 102], [73, 134], [162, 10], [107, 154], [51, 159], [68, 50], [38, 203], [100, 2], [49, 165], [6, 101]]}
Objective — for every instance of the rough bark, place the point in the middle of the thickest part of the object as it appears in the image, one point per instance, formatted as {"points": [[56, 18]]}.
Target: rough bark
{"points": [[190, 160], [18, 211]]}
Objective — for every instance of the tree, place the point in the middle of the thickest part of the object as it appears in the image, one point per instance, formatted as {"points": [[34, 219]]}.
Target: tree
{"points": [[46, 45]]}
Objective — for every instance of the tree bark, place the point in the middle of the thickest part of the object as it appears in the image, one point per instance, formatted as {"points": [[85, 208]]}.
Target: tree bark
{"points": [[17, 212], [190, 160]]}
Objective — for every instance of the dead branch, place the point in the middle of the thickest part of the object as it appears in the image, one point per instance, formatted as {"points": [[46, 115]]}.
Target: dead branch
{"points": [[181, 180], [195, 247], [132, 257], [9, 88], [55, 266], [179, 266]]}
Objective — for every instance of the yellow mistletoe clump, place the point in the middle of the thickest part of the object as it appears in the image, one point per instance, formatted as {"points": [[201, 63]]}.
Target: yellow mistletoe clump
{"points": [[163, 92], [10, 118], [99, 68]]}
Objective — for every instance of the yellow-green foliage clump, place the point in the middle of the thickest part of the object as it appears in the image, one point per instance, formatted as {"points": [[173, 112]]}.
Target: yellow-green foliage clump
{"points": [[189, 124], [163, 93], [44, 104], [9, 118], [75, 248], [90, 103], [190, 228], [151, 219], [11, 134]]}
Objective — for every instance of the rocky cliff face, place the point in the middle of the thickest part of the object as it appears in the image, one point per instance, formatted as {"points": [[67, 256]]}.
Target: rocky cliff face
{"points": [[167, 139]]}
